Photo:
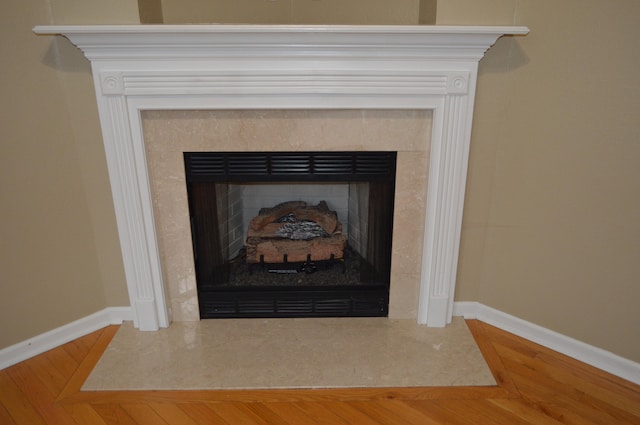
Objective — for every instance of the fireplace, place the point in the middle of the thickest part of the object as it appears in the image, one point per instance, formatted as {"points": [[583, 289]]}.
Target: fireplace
{"points": [[140, 70], [291, 234]]}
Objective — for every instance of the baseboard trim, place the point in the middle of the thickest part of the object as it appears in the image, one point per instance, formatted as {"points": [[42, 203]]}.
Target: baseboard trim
{"points": [[39, 344], [578, 350]]}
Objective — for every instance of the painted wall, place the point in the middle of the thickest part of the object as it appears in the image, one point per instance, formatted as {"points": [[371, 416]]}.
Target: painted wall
{"points": [[352, 12], [58, 244], [552, 216]]}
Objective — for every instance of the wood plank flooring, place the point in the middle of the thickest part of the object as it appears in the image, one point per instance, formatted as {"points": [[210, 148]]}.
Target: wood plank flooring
{"points": [[535, 386]]}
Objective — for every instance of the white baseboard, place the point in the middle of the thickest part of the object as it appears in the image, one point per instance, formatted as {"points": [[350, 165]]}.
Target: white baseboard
{"points": [[578, 350], [56, 337]]}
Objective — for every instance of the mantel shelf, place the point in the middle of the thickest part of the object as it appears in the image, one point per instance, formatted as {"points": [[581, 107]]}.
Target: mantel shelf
{"points": [[442, 41]]}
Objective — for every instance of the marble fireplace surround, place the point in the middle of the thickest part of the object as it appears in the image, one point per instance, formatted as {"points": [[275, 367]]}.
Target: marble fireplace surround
{"points": [[138, 68], [169, 133]]}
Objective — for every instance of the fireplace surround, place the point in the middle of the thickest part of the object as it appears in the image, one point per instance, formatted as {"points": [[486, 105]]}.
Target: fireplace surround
{"points": [[140, 68], [168, 134]]}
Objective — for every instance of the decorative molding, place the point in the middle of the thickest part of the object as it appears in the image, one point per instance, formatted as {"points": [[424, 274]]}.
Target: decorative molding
{"points": [[356, 82], [266, 42], [44, 342], [578, 350], [111, 83], [132, 203], [284, 67], [458, 84]]}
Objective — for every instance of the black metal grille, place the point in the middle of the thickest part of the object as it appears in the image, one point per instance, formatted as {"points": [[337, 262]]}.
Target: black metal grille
{"points": [[295, 302], [284, 166]]}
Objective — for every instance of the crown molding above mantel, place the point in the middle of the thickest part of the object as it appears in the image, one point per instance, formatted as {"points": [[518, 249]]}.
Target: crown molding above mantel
{"points": [[138, 67], [200, 29], [121, 41]]}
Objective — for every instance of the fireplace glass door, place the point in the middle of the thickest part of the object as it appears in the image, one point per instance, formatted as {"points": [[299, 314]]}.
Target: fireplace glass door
{"points": [[291, 234]]}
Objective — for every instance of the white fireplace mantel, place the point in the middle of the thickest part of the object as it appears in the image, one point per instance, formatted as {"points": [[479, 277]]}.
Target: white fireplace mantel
{"points": [[141, 67]]}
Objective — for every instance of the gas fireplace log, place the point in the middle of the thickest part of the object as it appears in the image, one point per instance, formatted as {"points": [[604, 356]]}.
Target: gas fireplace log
{"points": [[264, 237], [274, 250], [264, 223]]}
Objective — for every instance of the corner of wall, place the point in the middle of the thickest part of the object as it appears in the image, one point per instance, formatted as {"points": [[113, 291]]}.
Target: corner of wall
{"points": [[56, 337], [578, 350]]}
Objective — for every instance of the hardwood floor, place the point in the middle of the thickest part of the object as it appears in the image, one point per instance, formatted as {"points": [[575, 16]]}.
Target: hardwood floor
{"points": [[535, 386]]}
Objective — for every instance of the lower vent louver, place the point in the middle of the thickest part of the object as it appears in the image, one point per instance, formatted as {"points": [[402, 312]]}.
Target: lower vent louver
{"points": [[371, 302]]}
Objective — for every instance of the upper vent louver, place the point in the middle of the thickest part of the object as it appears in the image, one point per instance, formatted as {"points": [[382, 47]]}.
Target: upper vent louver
{"points": [[289, 166]]}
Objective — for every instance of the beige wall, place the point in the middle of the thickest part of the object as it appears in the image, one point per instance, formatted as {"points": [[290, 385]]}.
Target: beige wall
{"points": [[150, 11], [398, 12], [78, 12], [552, 220], [550, 233], [58, 242]]}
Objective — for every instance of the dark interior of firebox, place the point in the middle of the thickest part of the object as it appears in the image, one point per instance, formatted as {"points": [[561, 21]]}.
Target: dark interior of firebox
{"points": [[281, 234]]}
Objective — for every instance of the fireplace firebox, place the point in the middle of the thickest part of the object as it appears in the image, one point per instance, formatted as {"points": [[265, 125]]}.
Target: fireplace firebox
{"points": [[340, 268]]}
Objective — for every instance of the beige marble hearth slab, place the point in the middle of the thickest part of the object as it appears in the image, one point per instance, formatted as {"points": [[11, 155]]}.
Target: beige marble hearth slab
{"points": [[291, 353]]}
